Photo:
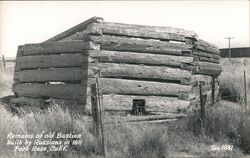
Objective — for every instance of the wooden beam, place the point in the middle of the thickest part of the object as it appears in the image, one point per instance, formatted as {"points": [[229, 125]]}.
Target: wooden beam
{"points": [[28, 101], [78, 28], [63, 91], [214, 50], [156, 73], [144, 43], [153, 103], [206, 59], [47, 61], [135, 87], [132, 118], [141, 48], [207, 79], [51, 75], [117, 30], [207, 68], [139, 58], [146, 31], [206, 54], [55, 48]]}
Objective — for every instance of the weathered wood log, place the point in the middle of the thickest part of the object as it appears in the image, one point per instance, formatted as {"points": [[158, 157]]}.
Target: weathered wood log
{"points": [[142, 48], [55, 48], [208, 68], [154, 121], [206, 79], [206, 59], [190, 67], [208, 49], [64, 91], [155, 73], [131, 32], [142, 118], [139, 58], [75, 29], [46, 61], [135, 87], [142, 30], [153, 103], [106, 39], [205, 68], [209, 71], [28, 101], [51, 75], [206, 54]]}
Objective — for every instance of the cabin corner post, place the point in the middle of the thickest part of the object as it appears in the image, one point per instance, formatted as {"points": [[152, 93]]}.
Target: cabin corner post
{"points": [[91, 74]]}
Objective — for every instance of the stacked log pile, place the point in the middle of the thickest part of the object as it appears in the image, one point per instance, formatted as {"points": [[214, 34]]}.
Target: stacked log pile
{"points": [[161, 65]]}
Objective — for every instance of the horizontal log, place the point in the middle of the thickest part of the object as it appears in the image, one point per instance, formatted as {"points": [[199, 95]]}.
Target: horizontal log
{"points": [[190, 67], [120, 30], [144, 43], [55, 48], [47, 61], [206, 79], [134, 87], [28, 101], [63, 91], [206, 59], [139, 58], [206, 54], [152, 103], [205, 68], [209, 71], [156, 73], [142, 48], [51, 75], [207, 48], [154, 121], [75, 29], [134, 118], [142, 30], [208, 68]]}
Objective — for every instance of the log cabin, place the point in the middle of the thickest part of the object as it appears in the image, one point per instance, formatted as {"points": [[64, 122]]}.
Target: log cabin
{"points": [[142, 69]]}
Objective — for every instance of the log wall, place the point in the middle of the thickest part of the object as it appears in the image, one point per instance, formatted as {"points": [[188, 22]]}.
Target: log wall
{"points": [[161, 65], [54, 70]]}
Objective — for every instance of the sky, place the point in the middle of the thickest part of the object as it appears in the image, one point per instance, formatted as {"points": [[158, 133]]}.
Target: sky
{"points": [[23, 22]]}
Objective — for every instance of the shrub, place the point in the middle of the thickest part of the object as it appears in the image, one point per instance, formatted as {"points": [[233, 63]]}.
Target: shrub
{"points": [[151, 143], [136, 140], [244, 134], [226, 122], [231, 78]]}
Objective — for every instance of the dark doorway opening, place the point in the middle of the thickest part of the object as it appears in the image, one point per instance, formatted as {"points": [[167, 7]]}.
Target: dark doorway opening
{"points": [[138, 107]]}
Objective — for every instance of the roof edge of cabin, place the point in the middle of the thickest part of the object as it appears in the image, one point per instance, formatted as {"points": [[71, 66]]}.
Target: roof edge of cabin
{"points": [[78, 28]]}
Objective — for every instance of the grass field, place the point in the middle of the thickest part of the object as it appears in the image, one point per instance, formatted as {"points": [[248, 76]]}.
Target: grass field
{"points": [[225, 124]]}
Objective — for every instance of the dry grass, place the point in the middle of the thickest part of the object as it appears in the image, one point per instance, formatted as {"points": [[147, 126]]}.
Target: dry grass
{"points": [[122, 140], [231, 78]]}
